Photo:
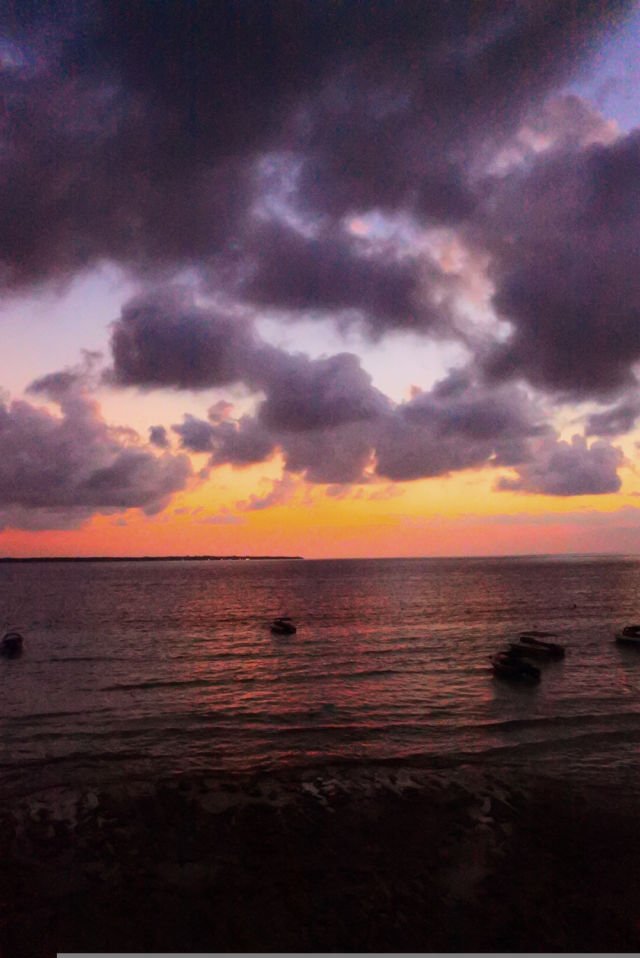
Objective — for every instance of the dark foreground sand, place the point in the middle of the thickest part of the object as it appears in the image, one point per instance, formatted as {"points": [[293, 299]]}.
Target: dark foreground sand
{"points": [[380, 858]]}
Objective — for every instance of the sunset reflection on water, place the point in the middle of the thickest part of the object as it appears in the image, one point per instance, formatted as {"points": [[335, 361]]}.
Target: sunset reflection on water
{"points": [[175, 664]]}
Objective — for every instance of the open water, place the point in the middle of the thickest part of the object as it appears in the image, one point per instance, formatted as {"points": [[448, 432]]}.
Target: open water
{"points": [[133, 669]]}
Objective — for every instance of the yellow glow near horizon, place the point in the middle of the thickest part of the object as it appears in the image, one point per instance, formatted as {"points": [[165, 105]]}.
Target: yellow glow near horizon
{"points": [[459, 515]]}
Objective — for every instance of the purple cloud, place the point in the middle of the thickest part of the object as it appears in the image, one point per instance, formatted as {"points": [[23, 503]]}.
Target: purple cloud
{"points": [[459, 424], [563, 235], [304, 394], [338, 274], [163, 339], [325, 417], [569, 469], [332, 426], [240, 442], [615, 421], [58, 470], [133, 132], [140, 135], [335, 455], [158, 437]]}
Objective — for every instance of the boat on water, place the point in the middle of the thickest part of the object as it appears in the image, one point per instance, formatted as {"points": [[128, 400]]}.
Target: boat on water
{"points": [[630, 635], [283, 626], [508, 665], [11, 645], [537, 644]]}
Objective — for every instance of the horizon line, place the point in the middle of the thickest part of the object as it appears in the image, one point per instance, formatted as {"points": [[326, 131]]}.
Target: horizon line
{"points": [[148, 558], [256, 558]]}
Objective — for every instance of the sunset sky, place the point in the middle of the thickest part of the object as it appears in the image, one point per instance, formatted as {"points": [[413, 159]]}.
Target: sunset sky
{"points": [[319, 278]]}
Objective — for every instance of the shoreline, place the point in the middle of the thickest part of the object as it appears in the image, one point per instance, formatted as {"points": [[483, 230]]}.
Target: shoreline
{"points": [[374, 857], [171, 558]]}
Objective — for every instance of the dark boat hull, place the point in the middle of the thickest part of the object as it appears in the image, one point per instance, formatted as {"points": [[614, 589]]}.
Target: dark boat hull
{"points": [[627, 640], [283, 626], [11, 645], [515, 669], [544, 652], [537, 642]]}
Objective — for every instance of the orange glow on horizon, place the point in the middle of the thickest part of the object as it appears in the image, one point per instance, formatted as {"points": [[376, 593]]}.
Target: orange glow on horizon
{"points": [[459, 515]]}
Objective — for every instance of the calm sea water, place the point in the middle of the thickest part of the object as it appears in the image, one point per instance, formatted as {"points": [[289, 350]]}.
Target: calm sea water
{"points": [[132, 669]]}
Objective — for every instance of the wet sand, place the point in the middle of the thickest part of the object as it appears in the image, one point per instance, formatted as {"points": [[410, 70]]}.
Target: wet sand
{"points": [[367, 858]]}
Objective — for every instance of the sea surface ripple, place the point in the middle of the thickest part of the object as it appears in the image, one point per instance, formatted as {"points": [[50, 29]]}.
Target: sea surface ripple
{"points": [[133, 669]]}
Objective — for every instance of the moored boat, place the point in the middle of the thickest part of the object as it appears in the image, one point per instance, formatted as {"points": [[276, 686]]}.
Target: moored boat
{"points": [[11, 645], [537, 644], [630, 635], [508, 665], [283, 626]]}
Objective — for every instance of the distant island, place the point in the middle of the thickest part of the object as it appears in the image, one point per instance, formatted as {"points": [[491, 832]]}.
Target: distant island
{"points": [[144, 558]]}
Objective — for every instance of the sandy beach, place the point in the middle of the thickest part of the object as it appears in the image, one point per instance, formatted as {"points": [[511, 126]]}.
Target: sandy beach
{"points": [[367, 858]]}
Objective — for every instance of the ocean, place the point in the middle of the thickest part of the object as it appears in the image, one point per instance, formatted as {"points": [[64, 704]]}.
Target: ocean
{"points": [[138, 669]]}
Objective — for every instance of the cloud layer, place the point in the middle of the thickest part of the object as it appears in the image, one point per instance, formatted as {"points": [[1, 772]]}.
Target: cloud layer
{"points": [[134, 133], [324, 415], [301, 160], [58, 469], [333, 426], [569, 469], [564, 240]]}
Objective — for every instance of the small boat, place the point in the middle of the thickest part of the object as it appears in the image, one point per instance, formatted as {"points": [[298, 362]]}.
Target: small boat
{"points": [[283, 626], [507, 665], [533, 651], [536, 644], [630, 635], [11, 645]]}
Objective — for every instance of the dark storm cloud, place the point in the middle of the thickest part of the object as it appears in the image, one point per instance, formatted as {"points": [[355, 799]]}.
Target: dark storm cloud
{"points": [[459, 424], [334, 273], [564, 237], [164, 339], [132, 131], [400, 127], [460, 406], [60, 469], [569, 469], [242, 442], [321, 414], [196, 435], [334, 455], [304, 394], [327, 419], [140, 134], [93, 170], [332, 426], [324, 454], [314, 410]]}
